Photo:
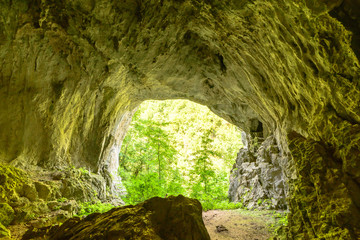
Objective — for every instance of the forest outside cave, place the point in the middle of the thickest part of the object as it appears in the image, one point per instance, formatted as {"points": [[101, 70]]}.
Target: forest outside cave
{"points": [[177, 147]]}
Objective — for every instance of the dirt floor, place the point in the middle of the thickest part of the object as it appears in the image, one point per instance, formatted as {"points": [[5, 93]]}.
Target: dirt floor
{"points": [[238, 224]]}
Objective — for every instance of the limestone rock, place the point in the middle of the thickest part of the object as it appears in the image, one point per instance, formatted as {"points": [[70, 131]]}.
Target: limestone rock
{"points": [[221, 228], [23, 195], [43, 190], [321, 180], [6, 214], [12, 181], [257, 179], [157, 218], [70, 206]]}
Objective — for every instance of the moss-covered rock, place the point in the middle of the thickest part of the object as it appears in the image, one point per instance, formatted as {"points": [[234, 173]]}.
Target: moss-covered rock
{"points": [[24, 195], [43, 190], [157, 218], [6, 214], [4, 232], [81, 185], [12, 181], [323, 193], [28, 190]]}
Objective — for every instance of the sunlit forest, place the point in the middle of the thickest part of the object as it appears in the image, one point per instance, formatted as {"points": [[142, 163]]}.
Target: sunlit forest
{"points": [[179, 147]]}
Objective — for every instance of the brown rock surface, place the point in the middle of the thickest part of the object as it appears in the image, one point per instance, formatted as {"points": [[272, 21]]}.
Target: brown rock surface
{"points": [[171, 218]]}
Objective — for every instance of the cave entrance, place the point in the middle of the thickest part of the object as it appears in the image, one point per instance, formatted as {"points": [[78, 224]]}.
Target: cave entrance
{"points": [[177, 147]]}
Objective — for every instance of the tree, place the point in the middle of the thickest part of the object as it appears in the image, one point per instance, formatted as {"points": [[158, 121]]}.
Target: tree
{"points": [[178, 147], [203, 166], [146, 153]]}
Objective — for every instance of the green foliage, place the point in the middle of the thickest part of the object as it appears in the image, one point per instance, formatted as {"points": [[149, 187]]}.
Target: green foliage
{"points": [[87, 208], [281, 218], [83, 171], [178, 147], [203, 167], [224, 205], [63, 199], [144, 162], [279, 226], [32, 216]]}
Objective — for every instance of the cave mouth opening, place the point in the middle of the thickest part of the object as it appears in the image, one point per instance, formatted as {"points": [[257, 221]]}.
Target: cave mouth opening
{"points": [[177, 147]]}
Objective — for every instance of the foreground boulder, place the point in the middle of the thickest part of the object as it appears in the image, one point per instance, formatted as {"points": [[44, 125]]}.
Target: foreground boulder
{"points": [[157, 218]]}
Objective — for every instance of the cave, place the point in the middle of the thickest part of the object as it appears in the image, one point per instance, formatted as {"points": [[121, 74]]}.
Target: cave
{"points": [[73, 72]]}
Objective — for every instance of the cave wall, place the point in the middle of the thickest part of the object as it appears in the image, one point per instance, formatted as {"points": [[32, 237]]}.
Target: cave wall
{"points": [[72, 72], [257, 178]]}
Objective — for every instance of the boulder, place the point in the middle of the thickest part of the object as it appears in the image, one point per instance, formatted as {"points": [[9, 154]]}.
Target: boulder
{"points": [[158, 218], [43, 190]]}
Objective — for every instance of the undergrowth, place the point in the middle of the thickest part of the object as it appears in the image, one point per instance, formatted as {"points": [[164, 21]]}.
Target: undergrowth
{"points": [[279, 226], [208, 204], [87, 208]]}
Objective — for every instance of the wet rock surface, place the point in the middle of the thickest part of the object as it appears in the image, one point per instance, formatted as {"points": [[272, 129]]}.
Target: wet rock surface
{"points": [[157, 218]]}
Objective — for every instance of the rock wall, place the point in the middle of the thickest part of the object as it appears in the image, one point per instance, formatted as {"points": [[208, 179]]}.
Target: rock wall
{"points": [[257, 179], [72, 72], [43, 198]]}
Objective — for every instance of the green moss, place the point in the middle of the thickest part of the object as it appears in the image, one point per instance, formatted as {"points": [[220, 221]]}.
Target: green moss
{"points": [[11, 181], [63, 199], [318, 210], [4, 232], [6, 214]]}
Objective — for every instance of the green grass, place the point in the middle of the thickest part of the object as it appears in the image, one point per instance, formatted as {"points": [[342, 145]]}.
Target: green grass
{"points": [[209, 204]]}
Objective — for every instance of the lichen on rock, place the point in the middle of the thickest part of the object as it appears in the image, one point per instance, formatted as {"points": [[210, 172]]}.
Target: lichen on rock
{"points": [[42, 198], [4, 232], [323, 194], [12, 181], [6, 214]]}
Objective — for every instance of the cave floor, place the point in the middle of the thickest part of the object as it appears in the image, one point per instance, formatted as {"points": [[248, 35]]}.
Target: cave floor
{"points": [[240, 224]]}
